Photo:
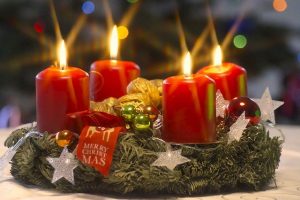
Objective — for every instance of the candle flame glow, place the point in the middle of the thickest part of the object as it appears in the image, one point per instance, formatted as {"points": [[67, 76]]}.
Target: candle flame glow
{"points": [[187, 64], [114, 43], [62, 55], [217, 55]]}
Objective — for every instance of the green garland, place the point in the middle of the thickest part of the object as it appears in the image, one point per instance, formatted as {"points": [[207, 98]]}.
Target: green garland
{"points": [[246, 164]]}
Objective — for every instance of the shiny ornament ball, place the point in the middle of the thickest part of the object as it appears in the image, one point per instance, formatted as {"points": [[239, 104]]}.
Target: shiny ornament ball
{"points": [[238, 105], [128, 113], [64, 138], [141, 122], [151, 111]]}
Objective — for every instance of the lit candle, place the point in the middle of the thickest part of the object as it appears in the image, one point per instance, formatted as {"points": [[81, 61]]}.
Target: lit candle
{"points": [[60, 90], [189, 107], [109, 78], [230, 78]]}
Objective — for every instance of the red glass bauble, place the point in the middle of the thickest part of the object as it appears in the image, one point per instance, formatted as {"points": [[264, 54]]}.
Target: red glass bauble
{"points": [[151, 111], [238, 105]]}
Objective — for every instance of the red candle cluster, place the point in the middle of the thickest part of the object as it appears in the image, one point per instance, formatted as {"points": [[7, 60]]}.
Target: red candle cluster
{"points": [[64, 90], [189, 104], [189, 101]]}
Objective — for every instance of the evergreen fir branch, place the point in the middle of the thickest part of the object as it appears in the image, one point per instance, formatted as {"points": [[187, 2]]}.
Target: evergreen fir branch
{"points": [[246, 164]]}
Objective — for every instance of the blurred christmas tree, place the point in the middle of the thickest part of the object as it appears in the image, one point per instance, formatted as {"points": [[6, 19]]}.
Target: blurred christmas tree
{"points": [[27, 38]]}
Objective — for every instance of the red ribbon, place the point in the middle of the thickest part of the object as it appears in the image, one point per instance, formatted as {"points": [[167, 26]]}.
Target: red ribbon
{"points": [[76, 121]]}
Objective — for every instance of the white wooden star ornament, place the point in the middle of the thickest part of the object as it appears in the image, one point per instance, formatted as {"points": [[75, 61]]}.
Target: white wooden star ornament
{"points": [[221, 104], [268, 106], [63, 166], [170, 159], [237, 129]]}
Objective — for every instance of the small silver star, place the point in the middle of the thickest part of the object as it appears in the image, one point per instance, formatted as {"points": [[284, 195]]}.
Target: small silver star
{"points": [[170, 159], [237, 129], [267, 106], [221, 104], [63, 166]]}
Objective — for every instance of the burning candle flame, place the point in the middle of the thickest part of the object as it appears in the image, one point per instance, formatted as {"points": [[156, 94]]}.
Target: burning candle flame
{"points": [[187, 64], [217, 55], [62, 55], [114, 43]]}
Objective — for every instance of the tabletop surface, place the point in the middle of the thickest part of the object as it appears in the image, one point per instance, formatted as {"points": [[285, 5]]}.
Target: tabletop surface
{"points": [[287, 178]]}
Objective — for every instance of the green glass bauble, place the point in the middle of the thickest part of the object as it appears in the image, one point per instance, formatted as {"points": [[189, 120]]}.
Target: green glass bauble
{"points": [[141, 122], [128, 113]]}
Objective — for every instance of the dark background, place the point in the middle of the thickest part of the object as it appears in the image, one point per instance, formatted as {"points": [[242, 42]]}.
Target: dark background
{"points": [[27, 38]]}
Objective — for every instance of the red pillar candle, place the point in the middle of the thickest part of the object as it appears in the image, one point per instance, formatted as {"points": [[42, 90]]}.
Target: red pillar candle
{"points": [[59, 91], [189, 109], [109, 78], [230, 78]]}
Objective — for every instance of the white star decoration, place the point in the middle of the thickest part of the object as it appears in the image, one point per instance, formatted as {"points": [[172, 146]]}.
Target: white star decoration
{"points": [[170, 159], [237, 129], [221, 104], [63, 166], [267, 106]]}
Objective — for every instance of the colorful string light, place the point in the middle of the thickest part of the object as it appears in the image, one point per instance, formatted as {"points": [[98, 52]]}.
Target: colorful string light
{"points": [[122, 32], [280, 5], [88, 7], [240, 41]]}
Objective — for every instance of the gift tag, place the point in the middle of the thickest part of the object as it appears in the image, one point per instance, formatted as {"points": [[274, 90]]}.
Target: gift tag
{"points": [[96, 147]]}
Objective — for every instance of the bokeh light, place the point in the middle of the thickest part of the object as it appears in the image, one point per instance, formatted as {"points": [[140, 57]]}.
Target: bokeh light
{"points": [[88, 7], [132, 1], [280, 5], [122, 32], [298, 57], [39, 26], [240, 41]]}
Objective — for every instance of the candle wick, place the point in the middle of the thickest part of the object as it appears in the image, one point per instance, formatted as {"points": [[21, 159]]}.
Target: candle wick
{"points": [[113, 60], [218, 66], [187, 76]]}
